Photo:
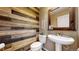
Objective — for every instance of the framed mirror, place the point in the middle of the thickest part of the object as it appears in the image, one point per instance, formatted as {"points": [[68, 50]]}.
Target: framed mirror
{"points": [[62, 18]]}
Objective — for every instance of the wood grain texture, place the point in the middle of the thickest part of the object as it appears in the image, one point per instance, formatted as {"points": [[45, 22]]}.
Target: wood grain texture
{"points": [[6, 9], [36, 10], [25, 11], [16, 32], [21, 44], [13, 16], [13, 24]]}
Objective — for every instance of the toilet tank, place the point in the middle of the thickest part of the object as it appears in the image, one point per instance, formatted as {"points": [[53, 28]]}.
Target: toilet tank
{"points": [[42, 38]]}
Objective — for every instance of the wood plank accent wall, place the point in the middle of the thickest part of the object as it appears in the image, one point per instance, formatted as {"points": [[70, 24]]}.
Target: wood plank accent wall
{"points": [[15, 32], [11, 24], [4, 14], [34, 9], [21, 44], [17, 17], [19, 21], [23, 11]]}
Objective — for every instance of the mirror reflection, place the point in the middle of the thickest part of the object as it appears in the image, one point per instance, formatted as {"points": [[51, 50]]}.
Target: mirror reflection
{"points": [[59, 17]]}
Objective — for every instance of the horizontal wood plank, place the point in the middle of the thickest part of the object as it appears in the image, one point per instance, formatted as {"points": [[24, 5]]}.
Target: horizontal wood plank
{"points": [[30, 20], [25, 11], [16, 32], [12, 24], [21, 44], [34, 9]]}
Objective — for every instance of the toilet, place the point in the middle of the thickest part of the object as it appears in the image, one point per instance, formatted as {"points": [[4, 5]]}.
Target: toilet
{"points": [[37, 46], [2, 45]]}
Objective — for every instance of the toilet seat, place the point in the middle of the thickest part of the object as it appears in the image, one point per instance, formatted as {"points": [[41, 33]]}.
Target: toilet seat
{"points": [[36, 46]]}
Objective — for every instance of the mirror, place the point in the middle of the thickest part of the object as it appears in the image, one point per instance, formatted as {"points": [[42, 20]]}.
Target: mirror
{"points": [[62, 18]]}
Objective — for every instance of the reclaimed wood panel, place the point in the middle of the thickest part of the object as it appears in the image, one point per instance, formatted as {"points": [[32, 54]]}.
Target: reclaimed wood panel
{"points": [[21, 44], [13, 16], [13, 24], [16, 32], [25, 11], [36, 10]]}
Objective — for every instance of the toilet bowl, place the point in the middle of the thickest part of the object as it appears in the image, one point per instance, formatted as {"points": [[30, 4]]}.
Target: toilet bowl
{"points": [[37, 46], [2, 45]]}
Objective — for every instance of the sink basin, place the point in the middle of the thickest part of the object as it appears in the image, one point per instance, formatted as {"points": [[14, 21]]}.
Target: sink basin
{"points": [[60, 40]]}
